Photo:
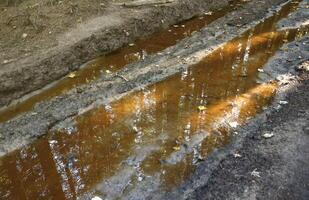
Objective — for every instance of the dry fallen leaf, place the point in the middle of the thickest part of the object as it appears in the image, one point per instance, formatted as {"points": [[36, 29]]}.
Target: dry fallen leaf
{"points": [[140, 178], [236, 155], [283, 102], [72, 75], [96, 198], [52, 142], [255, 173], [24, 35], [176, 148], [233, 124], [201, 108], [260, 70], [268, 135]]}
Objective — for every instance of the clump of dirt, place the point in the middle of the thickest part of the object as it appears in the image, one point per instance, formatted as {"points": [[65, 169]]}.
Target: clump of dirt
{"points": [[27, 25]]}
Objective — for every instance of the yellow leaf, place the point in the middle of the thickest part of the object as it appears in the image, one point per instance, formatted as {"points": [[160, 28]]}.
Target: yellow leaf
{"points": [[72, 75], [176, 148], [201, 108]]}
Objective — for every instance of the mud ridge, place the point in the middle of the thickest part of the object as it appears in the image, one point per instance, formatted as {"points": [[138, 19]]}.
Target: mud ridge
{"points": [[97, 37], [29, 126], [296, 19]]}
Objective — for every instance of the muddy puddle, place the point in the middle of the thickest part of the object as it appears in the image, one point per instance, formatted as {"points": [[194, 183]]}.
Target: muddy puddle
{"points": [[156, 135], [118, 59]]}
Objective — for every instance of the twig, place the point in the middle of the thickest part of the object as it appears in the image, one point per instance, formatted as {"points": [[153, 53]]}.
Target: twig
{"points": [[122, 77]]}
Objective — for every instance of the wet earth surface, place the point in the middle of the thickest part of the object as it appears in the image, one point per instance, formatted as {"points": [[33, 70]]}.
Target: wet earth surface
{"points": [[254, 166], [281, 163], [117, 60], [44, 40], [185, 136], [109, 87]]}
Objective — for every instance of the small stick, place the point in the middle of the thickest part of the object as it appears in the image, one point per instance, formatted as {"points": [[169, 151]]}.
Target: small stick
{"points": [[120, 76]]}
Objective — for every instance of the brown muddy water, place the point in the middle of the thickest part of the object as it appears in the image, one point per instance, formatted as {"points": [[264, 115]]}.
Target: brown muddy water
{"points": [[118, 59], [161, 131]]}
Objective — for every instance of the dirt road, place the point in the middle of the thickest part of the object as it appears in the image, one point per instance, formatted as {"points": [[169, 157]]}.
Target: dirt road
{"points": [[42, 41], [214, 107]]}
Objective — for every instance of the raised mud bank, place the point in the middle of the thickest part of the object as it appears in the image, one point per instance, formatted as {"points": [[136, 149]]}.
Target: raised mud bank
{"points": [[97, 37], [46, 115]]}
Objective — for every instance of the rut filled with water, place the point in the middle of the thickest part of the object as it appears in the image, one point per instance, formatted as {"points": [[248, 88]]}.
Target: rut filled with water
{"points": [[159, 133], [115, 61]]}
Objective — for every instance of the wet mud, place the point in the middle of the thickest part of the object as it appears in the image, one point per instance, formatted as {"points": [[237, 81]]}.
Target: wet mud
{"points": [[113, 62], [51, 59], [18, 131], [156, 135], [281, 161]]}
